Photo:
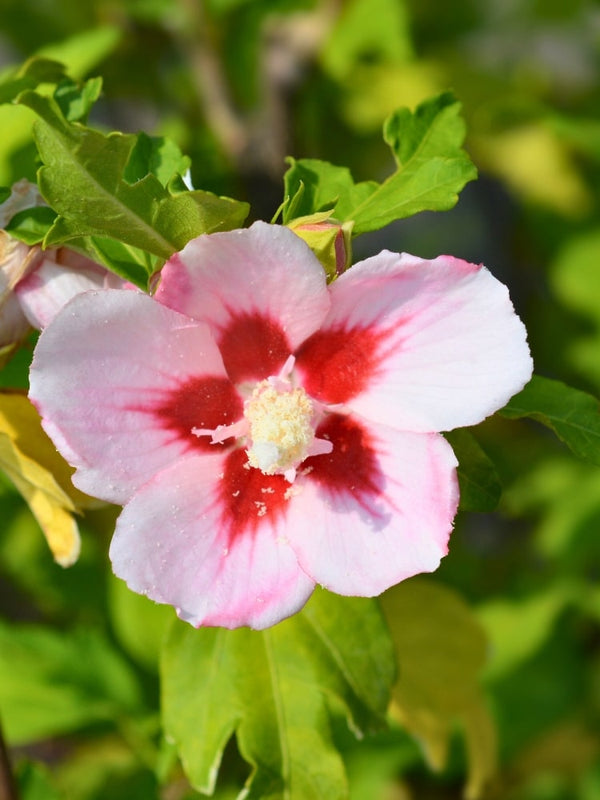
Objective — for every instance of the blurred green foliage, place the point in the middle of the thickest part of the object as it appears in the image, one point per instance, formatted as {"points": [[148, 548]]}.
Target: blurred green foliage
{"points": [[238, 85]]}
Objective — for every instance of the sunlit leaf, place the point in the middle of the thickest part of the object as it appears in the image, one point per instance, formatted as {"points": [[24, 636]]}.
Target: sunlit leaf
{"points": [[156, 155], [431, 169], [84, 180], [33, 72], [441, 651], [277, 689], [84, 50], [31, 462], [573, 415], [76, 101], [314, 186], [79, 53]]}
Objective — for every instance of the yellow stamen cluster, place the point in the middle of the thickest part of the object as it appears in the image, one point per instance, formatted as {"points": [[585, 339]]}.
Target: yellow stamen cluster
{"points": [[280, 428]]}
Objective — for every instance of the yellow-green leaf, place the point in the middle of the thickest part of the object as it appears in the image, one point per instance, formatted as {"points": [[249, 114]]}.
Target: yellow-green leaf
{"points": [[441, 650]]}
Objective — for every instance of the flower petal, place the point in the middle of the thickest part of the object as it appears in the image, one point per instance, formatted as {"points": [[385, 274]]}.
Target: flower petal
{"points": [[261, 290], [45, 291], [119, 380], [175, 542], [376, 510], [418, 345]]}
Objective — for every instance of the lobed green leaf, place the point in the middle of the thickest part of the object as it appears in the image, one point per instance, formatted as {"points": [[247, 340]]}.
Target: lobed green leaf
{"points": [[32, 73], [113, 187], [573, 415], [431, 169], [76, 101], [278, 690]]}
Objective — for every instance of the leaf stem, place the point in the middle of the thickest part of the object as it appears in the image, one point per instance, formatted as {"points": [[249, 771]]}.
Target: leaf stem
{"points": [[8, 786]]}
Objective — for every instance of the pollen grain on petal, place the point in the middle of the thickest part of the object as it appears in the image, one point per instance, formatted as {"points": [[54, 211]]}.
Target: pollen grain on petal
{"points": [[248, 496]]}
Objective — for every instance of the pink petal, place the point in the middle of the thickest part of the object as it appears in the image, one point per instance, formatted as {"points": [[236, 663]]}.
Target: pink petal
{"points": [[119, 380], [418, 345], [24, 194], [45, 291], [179, 541], [261, 290], [376, 510]]}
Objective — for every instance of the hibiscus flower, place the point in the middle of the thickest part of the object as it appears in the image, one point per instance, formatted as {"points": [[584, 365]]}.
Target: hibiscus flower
{"points": [[265, 431], [35, 284]]}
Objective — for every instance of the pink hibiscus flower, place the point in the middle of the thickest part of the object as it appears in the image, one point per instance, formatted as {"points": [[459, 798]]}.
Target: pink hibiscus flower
{"points": [[35, 284], [267, 432]]}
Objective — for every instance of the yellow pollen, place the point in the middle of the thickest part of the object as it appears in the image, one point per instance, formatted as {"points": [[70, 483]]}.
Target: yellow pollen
{"points": [[280, 428]]}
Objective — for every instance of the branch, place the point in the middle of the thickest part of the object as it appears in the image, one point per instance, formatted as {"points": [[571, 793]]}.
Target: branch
{"points": [[210, 82]]}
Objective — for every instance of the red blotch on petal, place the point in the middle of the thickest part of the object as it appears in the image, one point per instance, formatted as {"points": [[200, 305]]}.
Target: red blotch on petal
{"points": [[337, 364], [248, 497], [352, 466], [200, 403], [253, 347]]}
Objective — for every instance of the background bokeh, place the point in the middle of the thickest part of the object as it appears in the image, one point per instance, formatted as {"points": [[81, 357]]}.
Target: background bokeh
{"points": [[240, 84]]}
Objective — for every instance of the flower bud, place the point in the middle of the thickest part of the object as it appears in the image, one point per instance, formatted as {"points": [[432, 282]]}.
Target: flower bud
{"points": [[330, 241]]}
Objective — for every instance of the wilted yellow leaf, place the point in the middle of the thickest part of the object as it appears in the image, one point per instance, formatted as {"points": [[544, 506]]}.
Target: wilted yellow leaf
{"points": [[42, 477], [441, 650]]}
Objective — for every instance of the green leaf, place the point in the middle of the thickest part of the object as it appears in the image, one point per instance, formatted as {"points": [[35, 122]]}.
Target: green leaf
{"points": [[31, 74], [573, 415], [278, 690], [32, 224], [54, 682], [76, 101], [80, 53], [441, 650], [130, 263], [431, 169], [4, 193], [86, 49], [480, 486], [83, 179], [314, 185], [157, 155]]}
